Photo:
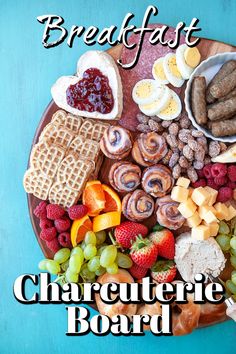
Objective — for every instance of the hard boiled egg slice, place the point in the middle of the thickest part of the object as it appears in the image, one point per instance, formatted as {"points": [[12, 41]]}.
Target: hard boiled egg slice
{"points": [[184, 69], [158, 72], [159, 104], [173, 109], [171, 70], [146, 91], [192, 56]]}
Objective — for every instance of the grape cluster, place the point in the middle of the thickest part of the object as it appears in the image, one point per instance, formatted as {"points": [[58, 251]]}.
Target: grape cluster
{"points": [[93, 257]]}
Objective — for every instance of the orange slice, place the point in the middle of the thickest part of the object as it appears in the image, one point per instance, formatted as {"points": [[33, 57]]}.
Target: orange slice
{"points": [[79, 229], [93, 197], [113, 202], [107, 220]]}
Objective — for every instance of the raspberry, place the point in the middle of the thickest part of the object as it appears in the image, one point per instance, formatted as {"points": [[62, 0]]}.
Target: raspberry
{"points": [[211, 183], [45, 223], [199, 183], [221, 181], [62, 224], [207, 170], [224, 194], [53, 245], [218, 170], [40, 211], [64, 240], [231, 185], [77, 211], [200, 173], [232, 173], [138, 272], [54, 211], [48, 234]]}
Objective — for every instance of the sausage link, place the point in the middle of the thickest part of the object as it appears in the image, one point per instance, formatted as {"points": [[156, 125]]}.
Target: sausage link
{"points": [[198, 99]]}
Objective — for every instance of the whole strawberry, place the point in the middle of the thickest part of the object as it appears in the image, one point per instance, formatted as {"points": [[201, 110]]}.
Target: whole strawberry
{"points": [[126, 233], [143, 252], [165, 242], [138, 272], [163, 271]]}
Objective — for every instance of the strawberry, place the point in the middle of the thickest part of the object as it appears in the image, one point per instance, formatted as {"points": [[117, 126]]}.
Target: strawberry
{"points": [[165, 242], [138, 272], [163, 271], [127, 231], [143, 252]]}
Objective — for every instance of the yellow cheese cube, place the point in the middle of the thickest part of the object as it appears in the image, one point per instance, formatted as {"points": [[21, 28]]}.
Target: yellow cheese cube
{"points": [[183, 182], [200, 196], [214, 228], [179, 194], [194, 220], [213, 195], [210, 217], [203, 210], [221, 211], [231, 213], [201, 232], [188, 208]]}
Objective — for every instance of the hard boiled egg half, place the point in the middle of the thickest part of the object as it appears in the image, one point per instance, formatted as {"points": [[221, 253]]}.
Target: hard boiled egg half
{"points": [[187, 59]]}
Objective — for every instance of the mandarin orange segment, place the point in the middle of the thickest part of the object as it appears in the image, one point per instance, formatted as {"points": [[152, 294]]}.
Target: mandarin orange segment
{"points": [[113, 202], [94, 197], [106, 221], [79, 229]]}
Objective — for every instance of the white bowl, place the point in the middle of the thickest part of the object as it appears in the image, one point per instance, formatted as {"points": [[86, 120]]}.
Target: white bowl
{"points": [[208, 68]]}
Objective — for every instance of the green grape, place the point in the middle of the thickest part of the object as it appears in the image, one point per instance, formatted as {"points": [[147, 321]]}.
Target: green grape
{"points": [[62, 255], [233, 277], [101, 237], [65, 265], [90, 251], [86, 274], [78, 250], [233, 261], [71, 277], [53, 267], [112, 269], [75, 263], [94, 264], [43, 264], [108, 256], [123, 260], [233, 242], [223, 228], [100, 271], [101, 248], [231, 287], [224, 242], [90, 238], [232, 252], [83, 245]]}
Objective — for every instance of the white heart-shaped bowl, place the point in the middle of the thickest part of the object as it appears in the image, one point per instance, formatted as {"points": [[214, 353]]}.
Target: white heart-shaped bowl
{"points": [[208, 68]]}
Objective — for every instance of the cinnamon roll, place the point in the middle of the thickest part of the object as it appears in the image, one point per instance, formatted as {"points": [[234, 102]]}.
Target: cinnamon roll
{"points": [[167, 213], [137, 206], [149, 148], [116, 142], [125, 176], [157, 180]]}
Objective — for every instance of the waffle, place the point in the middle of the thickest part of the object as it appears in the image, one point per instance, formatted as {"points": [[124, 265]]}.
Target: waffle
{"points": [[97, 168], [61, 194], [85, 148], [92, 130], [46, 158], [67, 120], [74, 172], [57, 134], [36, 183]]}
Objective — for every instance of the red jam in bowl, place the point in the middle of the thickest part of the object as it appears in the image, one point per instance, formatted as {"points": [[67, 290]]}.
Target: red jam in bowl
{"points": [[92, 93]]}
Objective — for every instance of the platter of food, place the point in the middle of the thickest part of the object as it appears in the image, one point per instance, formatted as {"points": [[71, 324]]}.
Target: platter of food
{"points": [[128, 178]]}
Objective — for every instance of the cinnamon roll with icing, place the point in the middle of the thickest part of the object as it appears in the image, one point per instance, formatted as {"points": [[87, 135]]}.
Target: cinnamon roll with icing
{"points": [[167, 213], [157, 180], [137, 206], [116, 142], [149, 149], [125, 176]]}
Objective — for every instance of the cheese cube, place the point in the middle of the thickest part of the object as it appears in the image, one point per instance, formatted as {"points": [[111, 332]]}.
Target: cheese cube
{"points": [[179, 194], [183, 182], [231, 213], [201, 232], [200, 196], [210, 217], [221, 211], [188, 208], [213, 195], [203, 210], [194, 220], [214, 228]]}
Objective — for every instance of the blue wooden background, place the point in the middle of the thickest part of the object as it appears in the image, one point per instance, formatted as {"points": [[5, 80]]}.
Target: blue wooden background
{"points": [[27, 73]]}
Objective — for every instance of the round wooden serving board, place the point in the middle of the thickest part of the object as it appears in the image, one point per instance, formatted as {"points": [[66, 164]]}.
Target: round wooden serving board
{"points": [[206, 47]]}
